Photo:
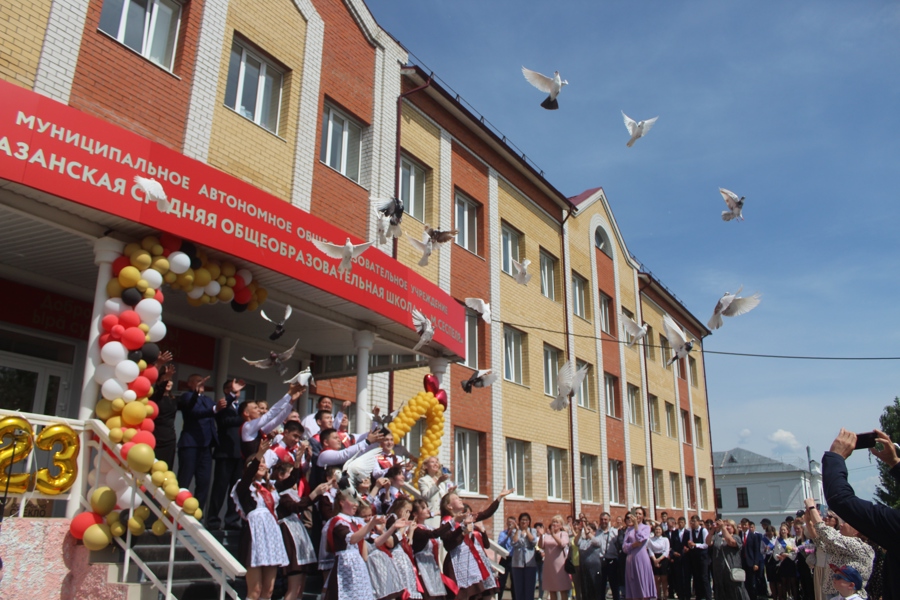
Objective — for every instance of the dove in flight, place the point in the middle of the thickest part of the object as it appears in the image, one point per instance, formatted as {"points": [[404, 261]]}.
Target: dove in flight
{"points": [[154, 191], [677, 339], [380, 423], [304, 378], [275, 359], [735, 205], [424, 328], [568, 381], [479, 379], [381, 229], [637, 129], [481, 307], [731, 305], [392, 209], [279, 325], [439, 237], [522, 275], [548, 85], [636, 331], [426, 247], [345, 253]]}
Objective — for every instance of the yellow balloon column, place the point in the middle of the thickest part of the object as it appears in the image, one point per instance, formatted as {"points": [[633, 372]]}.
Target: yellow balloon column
{"points": [[428, 404]]}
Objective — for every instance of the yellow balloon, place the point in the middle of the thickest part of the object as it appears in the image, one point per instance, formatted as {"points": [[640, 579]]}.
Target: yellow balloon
{"points": [[104, 409], [114, 422], [129, 276], [113, 517], [215, 271], [226, 294], [160, 465], [158, 477], [262, 294], [171, 476], [135, 525], [134, 413], [142, 513], [198, 514], [202, 277], [170, 277], [128, 434], [191, 505], [141, 458], [103, 500], [144, 327], [113, 288], [149, 242], [141, 260], [172, 490], [117, 529], [97, 537], [117, 405], [228, 269], [159, 528], [160, 264]]}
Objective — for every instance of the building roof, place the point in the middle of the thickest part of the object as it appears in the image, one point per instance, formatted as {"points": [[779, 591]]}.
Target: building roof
{"points": [[738, 461], [576, 200]]}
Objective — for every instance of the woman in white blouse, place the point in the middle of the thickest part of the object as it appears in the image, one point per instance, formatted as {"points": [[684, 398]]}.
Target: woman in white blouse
{"points": [[433, 486], [658, 547]]}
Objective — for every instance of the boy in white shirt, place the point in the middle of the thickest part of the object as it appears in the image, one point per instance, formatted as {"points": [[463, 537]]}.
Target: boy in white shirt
{"points": [[847, 581]]}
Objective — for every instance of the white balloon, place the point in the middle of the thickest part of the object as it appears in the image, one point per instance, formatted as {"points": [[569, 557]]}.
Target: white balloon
{"points": [[213, 288], [179, 262], [153, 278], [246, 275], [157, 331], [105, 467], [117, 481], [92, 478], [195, 292], [112, 389], [114, 306], [128, 498], [104, 372], [149, 310], [113, 353], [129, 396], [127, 371]]}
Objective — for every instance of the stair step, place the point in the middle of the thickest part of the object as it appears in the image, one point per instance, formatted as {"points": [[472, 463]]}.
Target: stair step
{"points": [[161, 553], [181, 571]]}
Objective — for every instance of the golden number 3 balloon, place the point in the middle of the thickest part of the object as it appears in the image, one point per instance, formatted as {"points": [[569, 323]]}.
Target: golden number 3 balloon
{"points": [[66, 459], [18, 450]]}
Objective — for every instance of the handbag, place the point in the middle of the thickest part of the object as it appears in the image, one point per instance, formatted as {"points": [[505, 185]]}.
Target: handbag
{"points": [[568, 565], [736, 574]]}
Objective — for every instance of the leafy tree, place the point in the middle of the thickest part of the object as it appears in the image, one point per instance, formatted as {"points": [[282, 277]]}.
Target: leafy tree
{"points": [[888, 492]]}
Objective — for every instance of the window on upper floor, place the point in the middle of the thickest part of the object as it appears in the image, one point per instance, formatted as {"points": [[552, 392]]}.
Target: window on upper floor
{"points": [[691, 492], [703, 493], [718, 494], [253, 89], [649, 347], [149, 27], [583, 396], [590, 482], [627, 314], [743, 499], [686, 427], [692, 366], [665, 351], [518, 466], [472, 320], [659, 488], [605, 307], [671, 426], [653, 401], [551, 370], [616, 485], [509, 248], [698, 430], [548, 275], [580, 297], [611, 391], [638, 486], [513, 341], [557, 464], [601, 241], [634, 405], [341, 143], [412, 188], [466, 223], [467, 444], [675, 489]]}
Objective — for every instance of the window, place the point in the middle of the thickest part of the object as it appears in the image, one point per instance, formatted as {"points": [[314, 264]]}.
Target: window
{"points": [[691, 492], [253, 89], [675, 489], [512, 355], [654, 413], [412, 441], [703, 492], [605, 302], [466, 223], [742, 498], [718, 494], [590, 491], [472, 319], [664, 350], [579, 304], [615, 472], [659, 487], [686, 427], [634, 405], [601, 241], [412, 188], [509, 247], [671, 428], [583, 395], [556, 464], [551, 370], [341, 142], [548, 275], [610, 389], [692, 366], [517, 465], [649, 347], [638, 493], [628, 315], [467, 471], [149, 27], [698, 431]]}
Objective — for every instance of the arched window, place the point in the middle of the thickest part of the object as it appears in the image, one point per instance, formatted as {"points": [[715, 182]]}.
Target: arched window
{"points": [[601, 240]]}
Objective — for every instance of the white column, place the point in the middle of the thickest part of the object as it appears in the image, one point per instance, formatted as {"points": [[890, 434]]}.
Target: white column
{"points": [[106, 250], [364, 342], [222, 360], [438, 368]]}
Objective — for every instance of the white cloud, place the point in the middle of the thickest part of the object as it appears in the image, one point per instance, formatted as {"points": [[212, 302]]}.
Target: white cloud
{"points": [[783, 442], [744, 434]]}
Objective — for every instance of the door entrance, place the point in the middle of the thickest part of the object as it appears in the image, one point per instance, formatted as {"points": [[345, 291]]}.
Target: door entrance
{"points": [[34, 385]]}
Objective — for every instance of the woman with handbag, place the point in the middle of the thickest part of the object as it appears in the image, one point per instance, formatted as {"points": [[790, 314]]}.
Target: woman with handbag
{"points": [[725, 550]]}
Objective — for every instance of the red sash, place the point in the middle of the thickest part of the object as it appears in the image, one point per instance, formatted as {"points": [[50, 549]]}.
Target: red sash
{"points": [[448, 582], [266, 495], [386, 462], [404, 544], [353, 527], [485, 573]]}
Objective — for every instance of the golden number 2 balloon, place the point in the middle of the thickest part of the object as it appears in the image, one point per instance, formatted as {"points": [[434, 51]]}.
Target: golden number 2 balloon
{"points": [[18, 450], [66, 459]]}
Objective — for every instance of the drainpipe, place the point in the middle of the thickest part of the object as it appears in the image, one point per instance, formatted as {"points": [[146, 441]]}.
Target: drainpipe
{"points": [[652, 495], [566, 325]]}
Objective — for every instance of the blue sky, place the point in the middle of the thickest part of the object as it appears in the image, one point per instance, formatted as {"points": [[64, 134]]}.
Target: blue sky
{"points": [[793, 105]]}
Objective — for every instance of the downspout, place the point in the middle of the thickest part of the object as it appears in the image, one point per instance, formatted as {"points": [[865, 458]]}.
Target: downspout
{"points": [[566, 324], [709, 428], [649, 407]]}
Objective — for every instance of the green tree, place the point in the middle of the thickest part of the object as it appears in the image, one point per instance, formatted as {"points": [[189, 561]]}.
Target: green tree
{"points": [[888, 492]]}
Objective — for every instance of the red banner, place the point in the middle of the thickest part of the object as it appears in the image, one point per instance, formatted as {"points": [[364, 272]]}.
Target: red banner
{"points": [[54, 148]]}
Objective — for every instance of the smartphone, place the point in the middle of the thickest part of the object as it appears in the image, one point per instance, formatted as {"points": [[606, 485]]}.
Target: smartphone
{"points": [[865, 440], [445, 471]]}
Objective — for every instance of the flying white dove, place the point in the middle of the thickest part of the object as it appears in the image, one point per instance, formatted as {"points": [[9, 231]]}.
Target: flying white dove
{"points": [[304, 378], [481, 307], [358, 469], [275, 359], [479, 379], [636, 331], [677, 339], [279, 325], [568, 380], [522, 274], [735, 205], [426, 246], [730, 305], [392, 209], [424, 328], [381, 423], [548, 85], [381, 228], [345, 253], [154, 191], [439, 237], [637, 129]]}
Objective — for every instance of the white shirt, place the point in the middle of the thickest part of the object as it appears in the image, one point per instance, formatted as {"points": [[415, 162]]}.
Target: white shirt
{"points": [[658, 545]]}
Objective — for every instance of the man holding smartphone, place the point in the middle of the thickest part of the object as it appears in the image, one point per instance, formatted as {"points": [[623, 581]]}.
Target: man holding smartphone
{"points": [[879, 523]]}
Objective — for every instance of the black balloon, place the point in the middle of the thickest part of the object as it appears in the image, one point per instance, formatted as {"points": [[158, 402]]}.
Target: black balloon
{"points": [[237, 306], [189, 248], [196, 263], [135, 355], [131, 296], [150, 352]]}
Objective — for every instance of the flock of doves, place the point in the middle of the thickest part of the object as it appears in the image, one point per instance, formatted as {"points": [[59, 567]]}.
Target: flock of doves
{"points": [[389, 214]]}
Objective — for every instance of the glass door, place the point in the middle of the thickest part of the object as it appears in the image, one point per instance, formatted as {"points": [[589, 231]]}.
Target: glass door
{"points": [[33, 385]]}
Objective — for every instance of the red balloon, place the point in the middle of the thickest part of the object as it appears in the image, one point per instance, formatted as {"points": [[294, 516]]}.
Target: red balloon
{"points": [[119, 264], [133, 338], [155, 408], [148, 425], [129, 318], [108, 322], [159, 296], [140, 386], [125, 448], [431, 384], [151, 374], [181, 497], [144, 437], [170, 242], [81, 522], [243, 295], [442, 398], [117, 332], [239, 283], [104, 337]]}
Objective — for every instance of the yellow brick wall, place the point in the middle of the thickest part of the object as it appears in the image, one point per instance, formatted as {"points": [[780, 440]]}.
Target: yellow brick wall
{"points": [[237, 145], [23, 24]]}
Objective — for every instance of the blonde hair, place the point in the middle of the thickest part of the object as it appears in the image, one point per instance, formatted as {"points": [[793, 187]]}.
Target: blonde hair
{"points": [[734, 526], [558, 519]]}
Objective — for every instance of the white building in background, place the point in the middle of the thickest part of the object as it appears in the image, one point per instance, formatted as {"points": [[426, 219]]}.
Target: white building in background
{"points": [[756, 487]]}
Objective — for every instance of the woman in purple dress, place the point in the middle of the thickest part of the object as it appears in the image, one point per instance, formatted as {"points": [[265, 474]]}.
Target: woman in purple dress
{"points": [[639, 582]]}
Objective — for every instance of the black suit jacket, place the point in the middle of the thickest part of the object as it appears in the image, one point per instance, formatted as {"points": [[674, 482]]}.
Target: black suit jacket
{"points": [[228, 426], [751, 552], [676, 542]]}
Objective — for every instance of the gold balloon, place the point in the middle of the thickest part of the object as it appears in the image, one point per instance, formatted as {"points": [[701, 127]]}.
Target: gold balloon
{"points": [[114, 288], [169, 277], [97, 537], [103, 501], [66, 459], [141, 260], [104, 409], [172, 490], [134, 413], [117, 529], [141, 458], [114, 422], [160, 465], [191, 505], [142, 513], [128, 277], [198, 514], [159, 528], [131, 249], [135, 525], [116, 406], [113, 517], [160, 264], [149, 242], [128, 434], [158, 477]]}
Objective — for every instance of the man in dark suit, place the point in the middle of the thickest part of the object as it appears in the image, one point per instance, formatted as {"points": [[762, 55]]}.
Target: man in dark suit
{"points": [[198, 436], [751, 557], [698, 558], [679, 573], [227, 454]]}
